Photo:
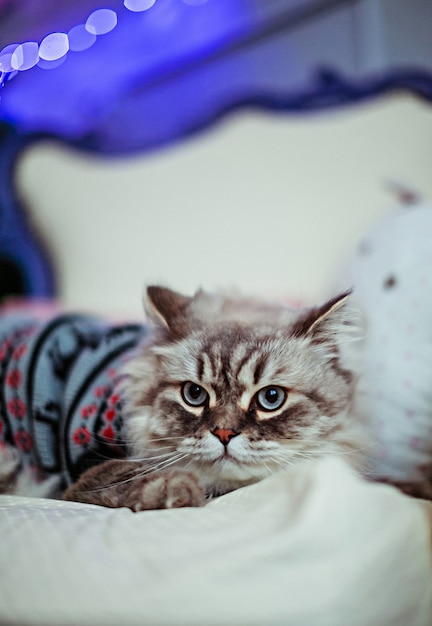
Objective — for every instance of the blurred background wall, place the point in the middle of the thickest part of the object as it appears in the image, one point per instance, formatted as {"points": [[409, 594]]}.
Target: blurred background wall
{"points": [[266, 204]]}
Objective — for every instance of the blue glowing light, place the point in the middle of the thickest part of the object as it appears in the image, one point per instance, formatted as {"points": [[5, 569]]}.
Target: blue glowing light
{"points": [[54, 47], [6, 57], [101, 21], [25, 56], [138, 5], [80, 38]]}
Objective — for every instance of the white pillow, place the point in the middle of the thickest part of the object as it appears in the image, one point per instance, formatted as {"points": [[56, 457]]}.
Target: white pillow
{"points": [[391, 273], [313, 546]]}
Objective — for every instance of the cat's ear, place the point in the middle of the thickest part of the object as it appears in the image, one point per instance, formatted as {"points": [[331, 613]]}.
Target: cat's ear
{"points": [[327, 322], [164, 307]]}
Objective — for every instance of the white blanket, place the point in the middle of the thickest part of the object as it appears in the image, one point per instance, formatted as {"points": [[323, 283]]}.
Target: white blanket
{"points": [[313, 546]]}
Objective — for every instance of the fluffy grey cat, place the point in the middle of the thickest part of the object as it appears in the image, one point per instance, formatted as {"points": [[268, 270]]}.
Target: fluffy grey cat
{"points": [[226, 392]]}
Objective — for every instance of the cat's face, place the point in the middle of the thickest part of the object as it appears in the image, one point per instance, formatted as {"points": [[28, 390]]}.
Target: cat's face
{"points": [[238, 390]]}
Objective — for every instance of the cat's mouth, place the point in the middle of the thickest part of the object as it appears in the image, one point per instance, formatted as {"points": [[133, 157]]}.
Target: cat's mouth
{"points": [[224, 458], [227, 456]]}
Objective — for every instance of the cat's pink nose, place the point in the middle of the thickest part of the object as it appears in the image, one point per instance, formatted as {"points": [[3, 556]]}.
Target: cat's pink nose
{"points": [[224, 434]]}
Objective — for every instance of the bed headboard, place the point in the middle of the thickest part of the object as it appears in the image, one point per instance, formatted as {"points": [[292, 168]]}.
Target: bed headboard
{"points": [[114, 78]]}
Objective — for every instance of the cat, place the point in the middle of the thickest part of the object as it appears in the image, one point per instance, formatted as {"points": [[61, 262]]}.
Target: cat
{"points": [[225, 392]]}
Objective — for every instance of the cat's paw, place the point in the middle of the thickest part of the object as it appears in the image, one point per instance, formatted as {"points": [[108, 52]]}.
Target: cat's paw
{"points": [[168, 489], [121, 483]]}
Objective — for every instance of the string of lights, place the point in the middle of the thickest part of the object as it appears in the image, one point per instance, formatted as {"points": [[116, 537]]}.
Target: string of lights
{"points": [[53, 50]]}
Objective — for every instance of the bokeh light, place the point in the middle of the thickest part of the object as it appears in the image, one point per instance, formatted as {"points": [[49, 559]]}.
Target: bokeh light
{"points": [[54, 47], [138, 5], [101, 21], [80, 38], [6, 57], [25, 56]]}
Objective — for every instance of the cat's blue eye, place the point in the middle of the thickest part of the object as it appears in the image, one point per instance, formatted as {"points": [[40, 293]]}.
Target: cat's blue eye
{"points": [[271, 398], [193, 394]]}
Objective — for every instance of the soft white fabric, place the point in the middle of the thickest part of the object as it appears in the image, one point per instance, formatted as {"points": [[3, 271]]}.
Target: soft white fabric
{"points": [[313, 546], [391, 273]]}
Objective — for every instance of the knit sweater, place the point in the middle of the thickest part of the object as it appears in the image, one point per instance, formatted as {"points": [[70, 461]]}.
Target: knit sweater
{"points": [[60, 404]]}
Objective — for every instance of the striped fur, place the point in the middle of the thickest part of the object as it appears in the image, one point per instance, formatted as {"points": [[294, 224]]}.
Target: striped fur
{"points": [[233, 348]]}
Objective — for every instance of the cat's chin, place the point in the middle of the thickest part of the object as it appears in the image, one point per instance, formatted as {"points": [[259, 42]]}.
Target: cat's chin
{"points": [[227, 473]]}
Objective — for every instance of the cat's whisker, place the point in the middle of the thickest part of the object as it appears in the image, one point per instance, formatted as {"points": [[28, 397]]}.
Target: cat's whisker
{"points": [[176, 460], [99, 438], [105, 457], [320, 453], [189, 463], [165, 438], [270, 472], [150, 451], [153, 457], [161, 465], [108, 442], [291, 457], [283, 462], [153, 449], [286, 459], [157, 467], [127, 443]]}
